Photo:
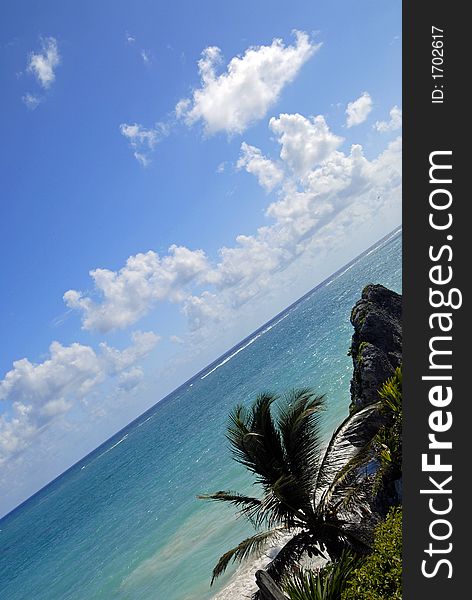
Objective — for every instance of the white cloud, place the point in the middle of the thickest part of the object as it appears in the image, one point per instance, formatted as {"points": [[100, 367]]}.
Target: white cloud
{"points": [[145, 56], [250, 85], [127, 295], [311, 216], [142, 159], [267, 172], [393, 124], [31, 101], [37, 394], [323, 194], [358, 110], [143, 141], [69, 368], [43, 63], [182, 107], [304, 142], [130, 379], [117, 361], [16, 431], [198, 310]]}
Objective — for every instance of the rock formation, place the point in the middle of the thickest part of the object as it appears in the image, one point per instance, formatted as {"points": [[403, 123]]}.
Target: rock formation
{"points": [[376, 347]]}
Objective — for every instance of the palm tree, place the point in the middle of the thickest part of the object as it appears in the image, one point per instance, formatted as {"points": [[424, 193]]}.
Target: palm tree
{"points": [[310, 492], [385, 448]]}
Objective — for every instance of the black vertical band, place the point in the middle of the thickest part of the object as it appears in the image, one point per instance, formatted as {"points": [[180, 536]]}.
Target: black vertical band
{"points": [[437, 241]]}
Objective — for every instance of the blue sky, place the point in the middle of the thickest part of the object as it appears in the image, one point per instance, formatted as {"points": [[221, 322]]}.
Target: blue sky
{"points": [[208, 163]]}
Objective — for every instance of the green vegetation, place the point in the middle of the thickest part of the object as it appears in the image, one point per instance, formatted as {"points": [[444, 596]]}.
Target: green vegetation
{"points": [[362, 346], [326, 584], [375, 577], [380, 575], [382, 454], [387, 443], [310, 493], [320, 496]]}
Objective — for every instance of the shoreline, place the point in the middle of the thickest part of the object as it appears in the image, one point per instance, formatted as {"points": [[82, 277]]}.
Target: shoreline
{"points": [[242, 584]]}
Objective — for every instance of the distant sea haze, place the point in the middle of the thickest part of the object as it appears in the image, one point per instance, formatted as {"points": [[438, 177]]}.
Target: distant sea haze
{"points": [[124, 523]]}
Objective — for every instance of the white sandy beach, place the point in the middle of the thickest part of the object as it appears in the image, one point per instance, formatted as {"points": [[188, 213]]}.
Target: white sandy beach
{"points": [[243, 585]]}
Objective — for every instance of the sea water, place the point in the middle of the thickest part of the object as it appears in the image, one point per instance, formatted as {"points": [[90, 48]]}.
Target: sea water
{"points": [[124, 523]]}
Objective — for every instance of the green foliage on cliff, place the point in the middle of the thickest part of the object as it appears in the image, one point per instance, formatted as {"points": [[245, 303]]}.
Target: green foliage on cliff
{"points": [[375, 577], [380, 575], [388, 441]]}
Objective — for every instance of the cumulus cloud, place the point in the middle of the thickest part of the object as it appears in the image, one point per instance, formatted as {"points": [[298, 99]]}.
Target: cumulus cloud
{"points": [[341, 194], [250, 85], [304, 142], [143, 141], [16, 431], [322, 193], [300, 215], [128, 380], [393, 124], [127, 295], [267, 172], [358, 110], [38, 393], [42, 64], [73, 367], [116, 361]]}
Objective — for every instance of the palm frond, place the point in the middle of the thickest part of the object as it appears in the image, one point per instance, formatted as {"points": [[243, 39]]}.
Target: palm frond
{"points": [[290, 554], [356, 541], [354, 498], [255, 544], [349, 440], [299, 423], [249, 507], [351, 484], [382, 448], [281, 502], [391, 392], [255, 441]]}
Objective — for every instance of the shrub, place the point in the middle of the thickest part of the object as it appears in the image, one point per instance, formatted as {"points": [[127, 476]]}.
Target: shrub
{"points": [[380, 575], [325, 584]]}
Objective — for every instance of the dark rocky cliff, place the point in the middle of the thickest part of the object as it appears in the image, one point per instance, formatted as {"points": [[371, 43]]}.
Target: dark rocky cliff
{"points": [[376, 347]]}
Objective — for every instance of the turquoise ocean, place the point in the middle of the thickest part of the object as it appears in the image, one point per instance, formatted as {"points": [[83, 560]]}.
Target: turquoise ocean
{"points": [[124, 523]]}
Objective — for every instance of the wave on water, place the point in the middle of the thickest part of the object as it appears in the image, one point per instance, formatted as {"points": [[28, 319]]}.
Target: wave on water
{"points": [[145, 421], [228, 358], [106, 451], [114, 445], [341, 274], [384, 242], [371, 251], [251, 341]]}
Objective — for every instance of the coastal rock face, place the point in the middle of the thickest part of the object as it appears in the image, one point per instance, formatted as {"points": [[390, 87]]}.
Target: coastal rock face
{"points": [[376, 347]]}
